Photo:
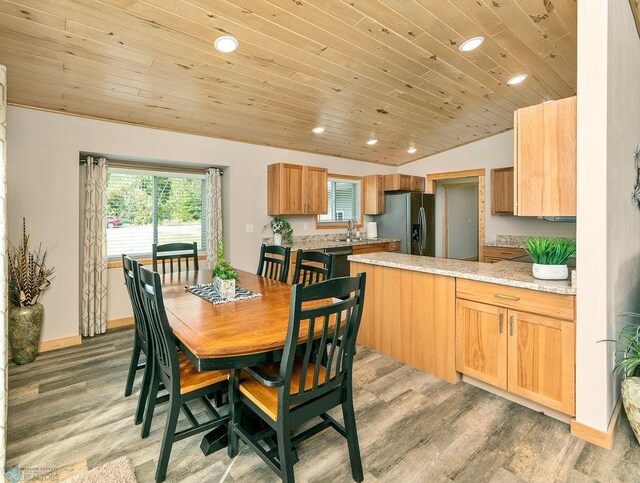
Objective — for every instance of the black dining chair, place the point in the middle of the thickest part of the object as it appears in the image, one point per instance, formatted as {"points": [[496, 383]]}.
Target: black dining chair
{"points": [[179, 376], [314, 375], [174, 251], [312, 267], [141, 340], [274, 262]]}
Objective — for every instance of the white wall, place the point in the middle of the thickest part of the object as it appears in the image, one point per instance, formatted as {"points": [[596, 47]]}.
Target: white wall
{"points": [[43, 186], [493, 152], [609, 223]]}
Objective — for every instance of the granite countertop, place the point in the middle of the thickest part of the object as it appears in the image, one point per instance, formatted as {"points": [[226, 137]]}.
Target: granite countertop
{"points": [[514, 274], [321, 244]]}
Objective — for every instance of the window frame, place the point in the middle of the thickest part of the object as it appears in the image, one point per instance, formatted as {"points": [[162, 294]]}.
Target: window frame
{"points": [[146, 258], [322, 225]]}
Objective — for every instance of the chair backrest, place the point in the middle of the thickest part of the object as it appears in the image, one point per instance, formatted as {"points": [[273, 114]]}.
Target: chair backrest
{"points": [[328, 333], [164, 347], [274, 262], [175, 251], [318, 270], [130, 267]]}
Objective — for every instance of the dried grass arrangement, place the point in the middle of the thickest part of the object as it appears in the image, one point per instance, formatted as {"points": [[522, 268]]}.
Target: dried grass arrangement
{"points": [[29, 275]]}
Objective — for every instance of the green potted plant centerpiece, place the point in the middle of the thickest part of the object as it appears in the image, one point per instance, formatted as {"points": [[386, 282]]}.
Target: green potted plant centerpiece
{"points": [[281, 230], [550, 256], [28, 276], [628, 367], [224, 274]]}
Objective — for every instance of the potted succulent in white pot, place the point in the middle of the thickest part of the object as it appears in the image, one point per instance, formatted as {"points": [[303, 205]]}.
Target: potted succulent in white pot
{"points": [[281, 230], [629, 366], [28, 276], [225, 276], [550, 256]]}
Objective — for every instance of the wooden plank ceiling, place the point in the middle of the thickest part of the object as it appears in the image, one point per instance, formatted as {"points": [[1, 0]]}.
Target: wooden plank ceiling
{"points": [[388, 69]]}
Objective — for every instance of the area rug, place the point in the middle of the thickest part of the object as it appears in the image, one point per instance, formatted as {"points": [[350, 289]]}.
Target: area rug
{"points": [[210, 292], [117, 471]]}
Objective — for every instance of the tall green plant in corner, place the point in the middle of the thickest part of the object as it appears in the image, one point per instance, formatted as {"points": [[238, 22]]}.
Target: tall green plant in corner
{"points": [[28, 277]]}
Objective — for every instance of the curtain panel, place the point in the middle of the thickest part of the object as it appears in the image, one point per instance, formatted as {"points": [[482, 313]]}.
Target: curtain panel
{"points": [[94, 250], [214, 213], [4, 303]]}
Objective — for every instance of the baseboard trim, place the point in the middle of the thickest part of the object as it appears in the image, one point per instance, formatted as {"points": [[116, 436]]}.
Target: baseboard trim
{"points": [[53, 344], [599, 438], [118, 323]]}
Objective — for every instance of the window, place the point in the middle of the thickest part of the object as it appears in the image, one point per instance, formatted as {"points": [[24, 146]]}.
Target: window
{"points": [[343, 201], [145, 208]]}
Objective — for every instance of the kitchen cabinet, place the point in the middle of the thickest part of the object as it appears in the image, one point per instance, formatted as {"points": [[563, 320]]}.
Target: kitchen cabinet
{"points": [[373, 194], [498, 254], [519, 340], [502, 191], [294, 189], [376, 247], [404, 182], [481, 345], [545, 159]]}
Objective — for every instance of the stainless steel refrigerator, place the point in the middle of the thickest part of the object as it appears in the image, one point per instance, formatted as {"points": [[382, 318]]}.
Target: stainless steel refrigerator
{"points": [[411, 218]]}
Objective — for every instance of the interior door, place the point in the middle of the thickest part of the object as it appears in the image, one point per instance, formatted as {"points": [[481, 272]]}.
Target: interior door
{"points": [[481, 342]]}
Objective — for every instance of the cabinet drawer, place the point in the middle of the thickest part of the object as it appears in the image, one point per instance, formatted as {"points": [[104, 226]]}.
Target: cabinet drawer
{"points": [[393, 246], [544, 303], [503, 253]]}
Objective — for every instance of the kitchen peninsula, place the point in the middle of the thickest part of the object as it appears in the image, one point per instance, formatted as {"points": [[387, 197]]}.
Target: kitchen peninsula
{"points": [[493, 322]]}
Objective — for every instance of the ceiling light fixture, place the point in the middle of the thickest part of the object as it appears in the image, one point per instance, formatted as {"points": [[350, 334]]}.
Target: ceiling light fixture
{"points": [[470, 44], [318, 130], [411, 150], [516, 79], [372, 141], [226, 44]]}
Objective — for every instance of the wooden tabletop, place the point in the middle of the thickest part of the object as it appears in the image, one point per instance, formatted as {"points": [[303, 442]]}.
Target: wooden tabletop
{"points": [[225, 335]]}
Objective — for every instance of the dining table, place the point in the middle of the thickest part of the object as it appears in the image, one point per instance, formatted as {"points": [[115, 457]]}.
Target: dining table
{"points": [[230, 335]]}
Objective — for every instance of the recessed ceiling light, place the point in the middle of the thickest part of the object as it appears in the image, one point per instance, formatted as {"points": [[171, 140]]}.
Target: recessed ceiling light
{"points": [[517, 79], [372, 141], [411, 150], [318, 130], [472, 43], [226, 44]]}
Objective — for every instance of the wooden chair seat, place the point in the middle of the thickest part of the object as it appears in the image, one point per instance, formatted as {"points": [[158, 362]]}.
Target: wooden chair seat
{"points": [[266, 398], [191, 379]]}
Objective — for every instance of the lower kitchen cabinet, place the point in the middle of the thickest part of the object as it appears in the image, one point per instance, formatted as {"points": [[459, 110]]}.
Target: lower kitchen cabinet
{"points": [[542, 360], [481, 345], [531, 355]]}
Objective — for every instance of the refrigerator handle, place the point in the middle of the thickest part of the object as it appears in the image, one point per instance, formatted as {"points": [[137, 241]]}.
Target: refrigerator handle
{"points": [[422, 222]]}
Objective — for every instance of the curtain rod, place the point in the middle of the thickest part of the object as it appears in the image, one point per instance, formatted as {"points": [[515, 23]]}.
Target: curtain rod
{"points": [[168, 168]]}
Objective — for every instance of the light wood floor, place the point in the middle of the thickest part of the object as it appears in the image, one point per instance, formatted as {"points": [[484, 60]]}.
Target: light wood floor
{"points": [[67, 411]]}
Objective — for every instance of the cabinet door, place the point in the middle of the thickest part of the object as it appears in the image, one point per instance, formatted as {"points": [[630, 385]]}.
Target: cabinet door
{"points": [[481, 342], [315, 190], [546, 159], [373, 194], [418, 184], [542, 360], [502, 191], [290, 191]]}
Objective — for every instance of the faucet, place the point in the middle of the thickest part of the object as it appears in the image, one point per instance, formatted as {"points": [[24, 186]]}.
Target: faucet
{"points": [[350, 227]]}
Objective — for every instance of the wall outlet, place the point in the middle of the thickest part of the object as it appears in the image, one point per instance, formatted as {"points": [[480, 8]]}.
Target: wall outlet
{"points": [[248, 228]]}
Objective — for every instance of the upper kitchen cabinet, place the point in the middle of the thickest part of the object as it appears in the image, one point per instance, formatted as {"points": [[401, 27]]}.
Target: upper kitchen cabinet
{"points": [[404, 182], [293, 189], [502, 191], [545, 159], [373, 194]]}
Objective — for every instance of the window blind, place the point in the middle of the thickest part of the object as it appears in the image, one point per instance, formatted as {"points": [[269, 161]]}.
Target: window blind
{"points": [[343, 201], [145, 208]]}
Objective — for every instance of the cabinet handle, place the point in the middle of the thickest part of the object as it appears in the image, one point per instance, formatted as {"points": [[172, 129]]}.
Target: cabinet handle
{"points": [[501, 320], [508, 297], [511, 325]]}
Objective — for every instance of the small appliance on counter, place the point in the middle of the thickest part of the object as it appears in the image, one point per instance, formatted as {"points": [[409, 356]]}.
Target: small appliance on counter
{"points": [[372, 230]]}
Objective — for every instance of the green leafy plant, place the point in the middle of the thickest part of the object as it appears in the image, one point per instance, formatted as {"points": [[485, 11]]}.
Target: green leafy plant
{"points": [[282, 227], [29, 275], [223, 268], [630, 338], [550, 251]]}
